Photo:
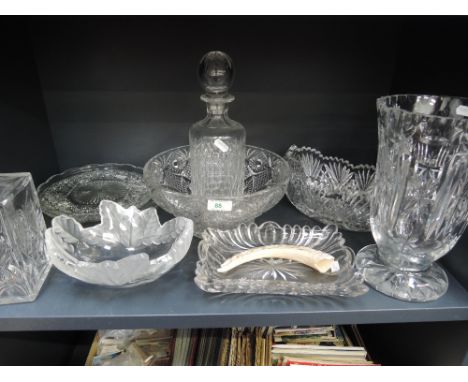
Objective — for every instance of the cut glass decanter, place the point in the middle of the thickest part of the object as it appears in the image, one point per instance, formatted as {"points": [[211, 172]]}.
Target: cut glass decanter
{"points": [[217, 181], [217, 143]]}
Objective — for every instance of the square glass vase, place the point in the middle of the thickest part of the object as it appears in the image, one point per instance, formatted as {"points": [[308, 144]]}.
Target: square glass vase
{"points": [[24, 265]]}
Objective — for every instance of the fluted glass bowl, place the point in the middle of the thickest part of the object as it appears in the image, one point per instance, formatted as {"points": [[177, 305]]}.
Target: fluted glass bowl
{"points": [[329, 189], [276, 276], [168, 177], [129, 247]]}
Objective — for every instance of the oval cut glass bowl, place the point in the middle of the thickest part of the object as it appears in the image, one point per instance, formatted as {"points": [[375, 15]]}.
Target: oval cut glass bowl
{"points": [[168, 177], [276, 276], [129, 247], [329, 189]]}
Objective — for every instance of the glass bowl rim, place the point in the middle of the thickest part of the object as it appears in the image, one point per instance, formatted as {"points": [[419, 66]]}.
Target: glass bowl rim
{"points": [[283, 181], [317, 153], [51, 212], [82, 263]]}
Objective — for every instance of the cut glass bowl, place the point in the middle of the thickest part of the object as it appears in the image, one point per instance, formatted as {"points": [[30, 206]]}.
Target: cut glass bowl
{"points": [[129, 247], [329, 189], [276, 276], [77, 192], [168, 177]]}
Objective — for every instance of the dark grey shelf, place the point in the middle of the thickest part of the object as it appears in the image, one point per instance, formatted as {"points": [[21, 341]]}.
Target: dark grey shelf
{"points": [[174, 301]]}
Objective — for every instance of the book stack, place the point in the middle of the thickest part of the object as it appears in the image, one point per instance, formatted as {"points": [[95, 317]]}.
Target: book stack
{"points": [[258, 346], [208, 347], [246, 347], [316, 346], [241, 347], [198, 347], [223, 347], [263, 344], [183, 344]]}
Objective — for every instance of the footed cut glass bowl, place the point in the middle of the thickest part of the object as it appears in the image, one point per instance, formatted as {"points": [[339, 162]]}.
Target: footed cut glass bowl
{"points": [[329, 189], [129, 247], [276, 276], [168, 177]]}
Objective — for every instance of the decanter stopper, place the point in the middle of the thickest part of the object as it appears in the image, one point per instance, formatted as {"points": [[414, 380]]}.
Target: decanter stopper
{"points": [[216, 74]]}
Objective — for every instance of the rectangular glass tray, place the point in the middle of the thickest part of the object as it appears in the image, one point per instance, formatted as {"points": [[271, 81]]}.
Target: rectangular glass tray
{"points": [[276, 276]]}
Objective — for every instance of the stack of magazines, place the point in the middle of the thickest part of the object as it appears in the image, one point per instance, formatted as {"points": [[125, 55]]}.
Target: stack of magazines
{"points": [[224, 347], [317, 346], [245, 346]]}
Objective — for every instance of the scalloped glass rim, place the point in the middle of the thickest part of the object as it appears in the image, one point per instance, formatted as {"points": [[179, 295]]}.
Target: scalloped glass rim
{"points": [[129, 271], [319, 154], [351, 220], [86, 217], [218, 245]]}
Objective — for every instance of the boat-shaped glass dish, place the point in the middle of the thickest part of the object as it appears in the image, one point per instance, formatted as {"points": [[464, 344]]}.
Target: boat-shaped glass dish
{"points": [[329, 189], [129, 247], [276, 276]]}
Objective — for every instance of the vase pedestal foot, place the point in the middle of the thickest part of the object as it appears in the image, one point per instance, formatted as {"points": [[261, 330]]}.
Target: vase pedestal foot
{"points": [[422, 286]]}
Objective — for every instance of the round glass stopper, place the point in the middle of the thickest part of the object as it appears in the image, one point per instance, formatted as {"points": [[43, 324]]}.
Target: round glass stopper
{"points": [[216, 72]]}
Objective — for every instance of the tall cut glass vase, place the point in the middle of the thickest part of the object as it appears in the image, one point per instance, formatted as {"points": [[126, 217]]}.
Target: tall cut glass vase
{"points": [[419, 207]]}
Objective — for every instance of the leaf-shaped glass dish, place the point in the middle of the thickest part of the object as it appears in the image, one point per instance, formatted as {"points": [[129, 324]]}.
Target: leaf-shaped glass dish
{"points": [[130, 247], [276, 276], [329, 189]]}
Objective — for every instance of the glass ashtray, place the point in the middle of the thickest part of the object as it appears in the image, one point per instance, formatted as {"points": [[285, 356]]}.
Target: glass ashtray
{"points": [[129, 248], [329, 189], [168, 176], [77, 192], [276, 276]]}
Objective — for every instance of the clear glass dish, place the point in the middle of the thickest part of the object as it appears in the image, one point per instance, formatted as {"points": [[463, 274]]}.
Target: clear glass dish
{"points": [[329, 189], [77, 192], [168, 176], [276, 276], [129, 248]]}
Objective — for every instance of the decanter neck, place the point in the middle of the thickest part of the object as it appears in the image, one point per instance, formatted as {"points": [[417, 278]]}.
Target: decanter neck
{"points": [[217, 109], [217, 105]]}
